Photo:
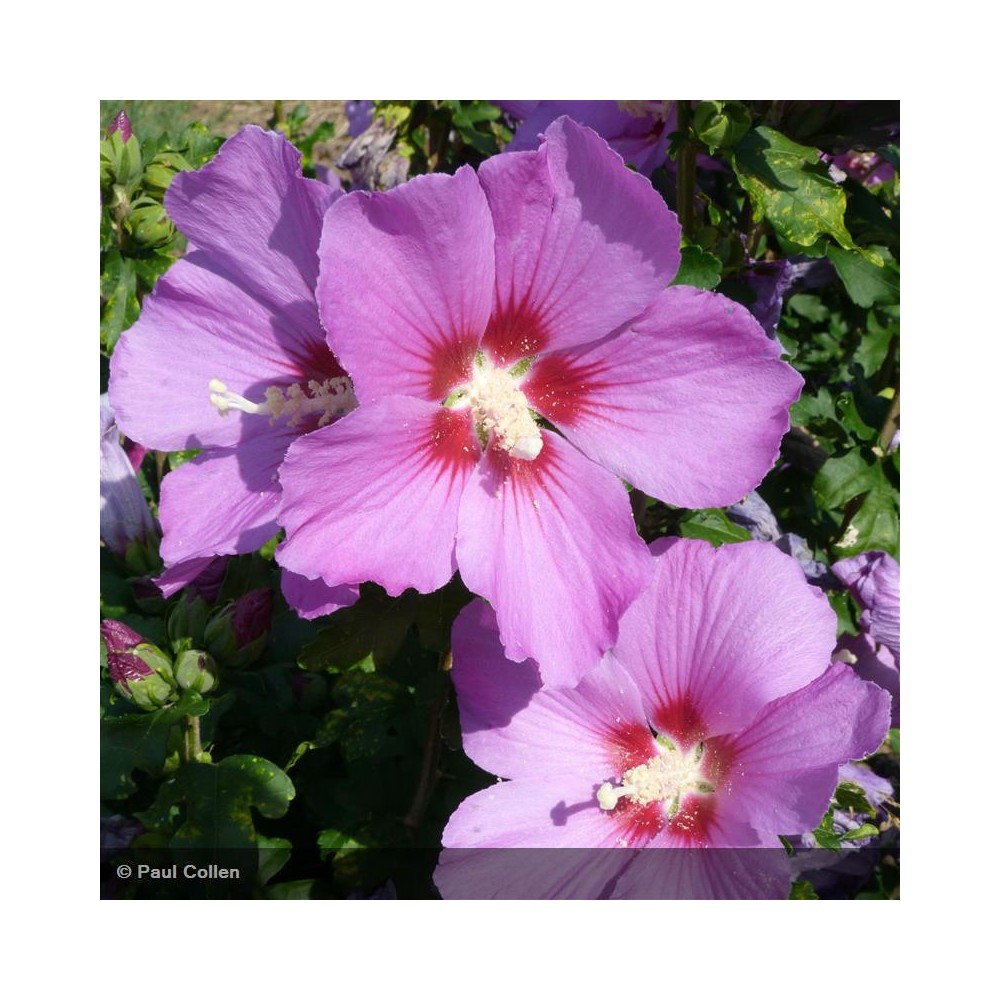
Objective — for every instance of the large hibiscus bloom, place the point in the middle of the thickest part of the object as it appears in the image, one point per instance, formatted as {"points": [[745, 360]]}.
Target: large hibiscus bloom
{"points": [[716, 721], [233, 330], [516, 353]]}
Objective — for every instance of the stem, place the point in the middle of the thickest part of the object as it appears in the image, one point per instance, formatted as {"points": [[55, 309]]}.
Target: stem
{"points": [[685, 169], [891, 424], [429, 773], [192, 738]]}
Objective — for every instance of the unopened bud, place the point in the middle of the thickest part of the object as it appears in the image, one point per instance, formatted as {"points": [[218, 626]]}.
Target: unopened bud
{"points": [[195, 670], [237, 633], [140, 671], [121, 124], [720, 123], [150, 225], [186, 624]]}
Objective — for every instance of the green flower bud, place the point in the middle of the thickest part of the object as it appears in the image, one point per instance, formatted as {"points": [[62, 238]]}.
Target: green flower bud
{"points": [[150, 225], [720, 123], [161, 170], [195, 670], [186, 624]]}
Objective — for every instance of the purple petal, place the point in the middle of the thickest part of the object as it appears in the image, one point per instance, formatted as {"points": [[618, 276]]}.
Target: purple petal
{"points": [[239, 308], [359, 116], [597, 729], [207, 572], [312, 598], [551, 544], [784, 765], [532, 813], [582, 243], [121, 123], [503, 873], [256, 219], [375, 496], [224, 502], [720, 633], [689, 404], [871, 664], [406, 285], [640, 139]]}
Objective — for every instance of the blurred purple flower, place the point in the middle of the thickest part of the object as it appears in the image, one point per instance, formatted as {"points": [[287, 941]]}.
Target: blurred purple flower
{"points": [[125, 516], [867, 167], [753, 514], [121, 124], [873, 580], [359, 116], [716, 721], [772, 281], [463, 305], [232, 330], [636, 130]]}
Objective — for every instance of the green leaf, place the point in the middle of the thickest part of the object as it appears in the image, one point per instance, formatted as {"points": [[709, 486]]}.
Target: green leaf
{"points": [[862, 832], [803, 889], [274, 855], [712, 526], [852, 797], [119, 304], [842, 479], [790, 187], [215, 801], [699, 268], [141, 742], [865, 283], [876, 524]]}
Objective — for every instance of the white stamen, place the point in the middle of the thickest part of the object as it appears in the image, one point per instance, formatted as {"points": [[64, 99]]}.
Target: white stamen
{"points": [[331, 398], [663, 778], [499, 407]]}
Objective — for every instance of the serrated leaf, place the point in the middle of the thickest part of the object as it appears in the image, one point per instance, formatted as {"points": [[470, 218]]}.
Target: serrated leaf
{"points": [[790, 187], [699, 268], [842, 479], [216, 801], [119, 304], [867, 284], [713, 526]]}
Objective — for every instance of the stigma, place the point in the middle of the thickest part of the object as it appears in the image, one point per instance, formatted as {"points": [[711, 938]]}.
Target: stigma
{"points": [[328, 400], [665, 778]]}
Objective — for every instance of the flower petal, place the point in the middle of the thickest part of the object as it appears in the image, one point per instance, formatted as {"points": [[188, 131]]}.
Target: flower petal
{"points": [[582, 243], [784, 765], [873, 579], [375, 496], [125, 515], [551, 544], [312, 598], [225, 501], [256, 219], [689, 403], [196, 326], [512, 729], [406, 282], [721, 632], [532, 813]]}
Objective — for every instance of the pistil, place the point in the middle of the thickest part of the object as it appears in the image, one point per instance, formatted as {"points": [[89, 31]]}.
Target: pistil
{"points": [[329, 399], [663, 778], [500, 408]]}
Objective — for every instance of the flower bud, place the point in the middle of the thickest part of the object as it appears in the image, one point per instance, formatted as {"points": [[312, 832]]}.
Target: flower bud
{"points": [[121, 124], [195, 670], [140, 671], [161, 169], [186, 624], [150, 225], [237, 633]]}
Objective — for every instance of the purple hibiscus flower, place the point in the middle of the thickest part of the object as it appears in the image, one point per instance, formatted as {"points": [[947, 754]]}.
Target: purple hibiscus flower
{"points": [[716, 721], [516, 351], [125, 516], [232, 330], [873, 580]]}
